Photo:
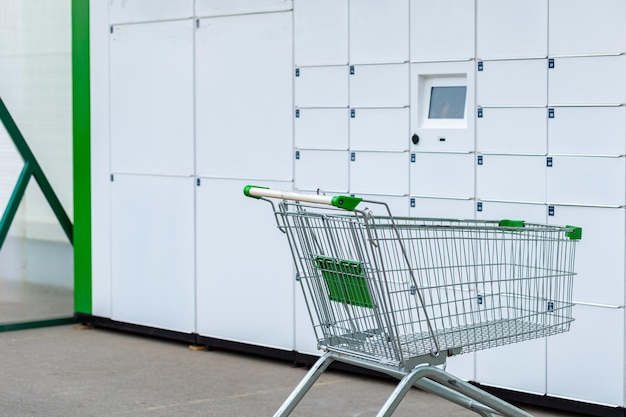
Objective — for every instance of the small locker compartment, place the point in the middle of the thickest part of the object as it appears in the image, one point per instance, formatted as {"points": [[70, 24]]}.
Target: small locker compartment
{"points": [[152, 251], [580, 27], [595, 329], [515, 82], [321, 128], [512, 29], [511, 178], [149, 62], [244, 101], [587, 80], [325, 170], [586, 180], [495, 210], [379, 173], [320, 32], [442, 30], [511, 130], [234, 7], [379, 31], [587, 130], [379, 85], [447, 208], [379, 129], [600, 253], [321, 86], [442, 107], [442, 175], [398, 205], [236, 277], [133, 11]]}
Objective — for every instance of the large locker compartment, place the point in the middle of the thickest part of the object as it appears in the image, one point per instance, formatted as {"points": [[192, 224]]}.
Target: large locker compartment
{"points": [[442, 175], [321, 86], [379, 85], [379, 173], [512, 130], [511, 178], [319, 128], [379, 129], [133, 11], [322, 169], [320, 32], [514, 82]]}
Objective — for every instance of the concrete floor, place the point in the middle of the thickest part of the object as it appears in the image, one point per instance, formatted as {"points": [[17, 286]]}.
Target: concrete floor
{"points": [[67, 371]]}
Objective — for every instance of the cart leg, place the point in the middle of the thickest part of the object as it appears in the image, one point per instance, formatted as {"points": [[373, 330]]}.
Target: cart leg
{"points": [[453, 396], [303, 387]]}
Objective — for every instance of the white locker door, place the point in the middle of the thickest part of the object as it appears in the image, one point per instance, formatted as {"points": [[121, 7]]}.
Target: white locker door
{"points": [[320, 32], [595, 329], [244, 101], [587, 27], [245, 279], [511, 178], [512, 83], [442, 122], [131, 11], [512, 29], [600, 253], [379, 85], [379, 129], [379, 31], [232, 7], [152, 98], [321, 86], [152, 251], [321, 129], [493, 210], [325, 170], [442, 175], [588, 80], [442, 30], [587, 130], [512, 130], [447, 208], [586, 180], [379, 173], [398, 205]]}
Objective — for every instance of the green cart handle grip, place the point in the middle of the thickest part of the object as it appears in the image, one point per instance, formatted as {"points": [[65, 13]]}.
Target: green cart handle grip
{"points": [[345, 202]]}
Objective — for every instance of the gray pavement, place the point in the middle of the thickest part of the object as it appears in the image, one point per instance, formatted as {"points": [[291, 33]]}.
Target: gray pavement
{"points": [[67, 371]]}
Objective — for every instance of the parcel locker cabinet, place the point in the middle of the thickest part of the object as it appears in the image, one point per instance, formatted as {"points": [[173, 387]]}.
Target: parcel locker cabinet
{"points": [[320, 32], [324, 170], [442, 175], [580, 27], [587, 80], [512, 82], [379, 129], [379, 31], [379, 85], [511, 130], [152, 251], [511, 178], [321, 128], [151, 76], [379, 173], [244, 101], [321, 86], [442, 30], [587, 130], [442, 107], [600, 253], [511, 29], [135, 11]]}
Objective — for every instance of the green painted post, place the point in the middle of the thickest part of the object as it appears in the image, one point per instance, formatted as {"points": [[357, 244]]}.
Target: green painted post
{"points": [[14, 202]]}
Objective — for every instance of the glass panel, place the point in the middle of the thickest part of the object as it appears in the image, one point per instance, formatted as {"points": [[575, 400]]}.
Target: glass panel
{"points": [[447, 102], [11, 164]]}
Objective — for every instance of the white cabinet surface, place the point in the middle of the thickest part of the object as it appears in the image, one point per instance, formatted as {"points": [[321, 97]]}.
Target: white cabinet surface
{"points": [[495, 210], [321, 169], [447, 208], [379, 85], [321, 86], [233, 7], [512, 130], [442, 175], [512, 83], [379, 129], [132, 11], [398, 205], [321, 128], [320, 32], [511, 178], [379, 172]]}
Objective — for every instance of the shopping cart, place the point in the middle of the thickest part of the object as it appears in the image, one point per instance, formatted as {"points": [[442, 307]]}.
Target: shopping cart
{"points": [[399, 295]]}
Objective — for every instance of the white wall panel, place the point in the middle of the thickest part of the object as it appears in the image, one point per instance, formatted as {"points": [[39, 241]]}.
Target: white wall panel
{"points": [[328, 170], [511, 29], [442, 175], [600, 253], [588, 80], [594, 330], [587, 27], [442, 30], [237, 276], [587, 180], [379, 173], [511, 178], [130, 11], [230, 7], [379, 129], [512, 83], [322, 128], [152, 251], [379, 85], [512, 130], [244, 99], [379, 31], [587, 131], [447, 208], [152, 98], [321, 86], [321, 32]]}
